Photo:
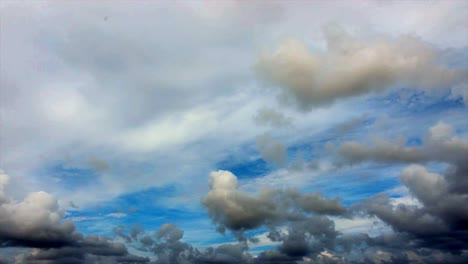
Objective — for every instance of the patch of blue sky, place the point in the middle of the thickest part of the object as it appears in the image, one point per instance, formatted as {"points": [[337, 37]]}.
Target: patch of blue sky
{"points": [[202, 233], [145, 207], [247, 169], [352, 184], [257, 250], [414, 142], [301, 151], [406, 101], [69, 177]]}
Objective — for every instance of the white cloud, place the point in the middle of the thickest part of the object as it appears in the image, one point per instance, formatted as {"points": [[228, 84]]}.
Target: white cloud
{"points": [[116, 215]]}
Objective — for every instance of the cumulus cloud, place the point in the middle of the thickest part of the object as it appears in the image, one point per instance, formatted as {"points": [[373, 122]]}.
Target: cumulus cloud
{"points": [[430, 231], [167, 245], [237, 211], [437, 222], [37, 222], [351, 66]]}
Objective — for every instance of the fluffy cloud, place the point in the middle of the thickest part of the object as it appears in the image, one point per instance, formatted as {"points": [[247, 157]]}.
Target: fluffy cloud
{"points": [[37, 222], [352, 66], [34, 222], [167, 245], [430, 231], [235, 210], [438, 220]]}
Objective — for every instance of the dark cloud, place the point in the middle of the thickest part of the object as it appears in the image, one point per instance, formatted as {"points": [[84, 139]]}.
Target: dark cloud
{"points": [[235, 210], [37, 222], [432, 231], [436, 225], [167, 245], [89, 249]]}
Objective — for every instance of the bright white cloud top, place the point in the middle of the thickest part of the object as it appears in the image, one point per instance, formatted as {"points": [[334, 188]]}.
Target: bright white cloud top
{"points": [[233, 132]]}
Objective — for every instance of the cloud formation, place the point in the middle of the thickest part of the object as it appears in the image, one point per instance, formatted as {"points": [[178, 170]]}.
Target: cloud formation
{"points": [[37, 223], [271, 117], [271, 150], [437, 223], [237, 211], [119, 95], [351, 66], [440, 144]]}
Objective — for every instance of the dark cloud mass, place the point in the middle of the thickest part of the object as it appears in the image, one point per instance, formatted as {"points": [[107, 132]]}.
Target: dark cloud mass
{"points": [[235, 210], [37, 222], [437, 223]]}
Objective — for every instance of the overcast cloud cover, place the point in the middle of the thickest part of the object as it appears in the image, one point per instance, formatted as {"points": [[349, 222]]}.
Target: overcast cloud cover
{"points": [[234, 132]]}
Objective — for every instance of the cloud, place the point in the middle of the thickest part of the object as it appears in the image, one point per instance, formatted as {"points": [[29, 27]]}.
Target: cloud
{"points": [[37, 222], [430, 230], [167, 245], [90, 249], [439, 222], [461, 91], [117, 215], [440, 144], [270, 117], [237, 211], [271, 150], [438, 219], [170, 90], [351, 124], [351, 66]]}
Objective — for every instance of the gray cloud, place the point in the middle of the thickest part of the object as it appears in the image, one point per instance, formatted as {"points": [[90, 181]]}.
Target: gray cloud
{"points": [[37, 222], [439, 219], [351, 124], [432, 231], [235, 210], [271, 117], [271, 150], [352, 66], [440, 144], [167, 245]]}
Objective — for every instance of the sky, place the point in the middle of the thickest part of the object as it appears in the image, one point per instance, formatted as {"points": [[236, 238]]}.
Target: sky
{"points": [[234, 132]]}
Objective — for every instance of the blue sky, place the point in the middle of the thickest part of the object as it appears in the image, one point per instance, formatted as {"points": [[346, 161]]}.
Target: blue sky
{"points": [[262, 131]]}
